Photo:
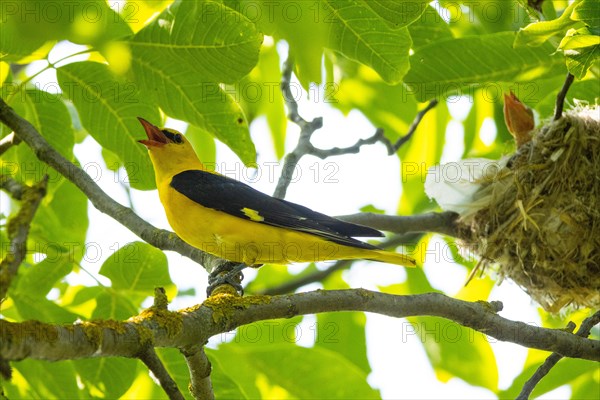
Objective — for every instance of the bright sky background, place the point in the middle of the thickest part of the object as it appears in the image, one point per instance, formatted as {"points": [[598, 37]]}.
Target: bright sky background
{"points": [[400, 368]]}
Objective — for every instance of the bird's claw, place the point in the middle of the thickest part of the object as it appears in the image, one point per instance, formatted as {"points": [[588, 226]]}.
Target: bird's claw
{"points": [[221, 276]]}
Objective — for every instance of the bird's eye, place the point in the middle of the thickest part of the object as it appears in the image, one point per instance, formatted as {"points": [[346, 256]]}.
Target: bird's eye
{"points": [[173, 136]]}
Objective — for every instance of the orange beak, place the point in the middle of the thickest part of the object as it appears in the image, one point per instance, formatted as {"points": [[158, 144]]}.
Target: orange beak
{"points": [[155, 136]]}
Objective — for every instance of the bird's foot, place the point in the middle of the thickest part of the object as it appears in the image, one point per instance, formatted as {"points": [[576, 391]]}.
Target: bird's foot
{"points": [[224, 274]]}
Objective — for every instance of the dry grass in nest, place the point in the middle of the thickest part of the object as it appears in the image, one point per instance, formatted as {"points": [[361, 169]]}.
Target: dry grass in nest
{"points": [[541, 226]]}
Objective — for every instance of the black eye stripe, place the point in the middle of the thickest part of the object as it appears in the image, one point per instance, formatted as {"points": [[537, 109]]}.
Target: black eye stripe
{"points": [[174, 137]]}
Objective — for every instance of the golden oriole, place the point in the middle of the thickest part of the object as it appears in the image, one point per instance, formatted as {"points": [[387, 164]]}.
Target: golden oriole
{"points": [[231, 220]]}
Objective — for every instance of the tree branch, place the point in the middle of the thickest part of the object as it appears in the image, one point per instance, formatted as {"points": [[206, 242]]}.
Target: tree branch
{"points": [[414, 125], [159, 238], [200, 369], [560, 99], [444, 222], [584, 331], [218, 314], [8, 141], [154, 364], [306, 130], [18, 227], [13, 187], [304, 145]]}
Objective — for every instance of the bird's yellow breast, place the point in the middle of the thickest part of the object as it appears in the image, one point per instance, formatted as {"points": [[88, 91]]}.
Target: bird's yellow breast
{"points": [[240, 240]]}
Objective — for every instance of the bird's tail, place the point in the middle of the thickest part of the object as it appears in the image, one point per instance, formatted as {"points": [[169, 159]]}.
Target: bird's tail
{"points": [[391, 258]]}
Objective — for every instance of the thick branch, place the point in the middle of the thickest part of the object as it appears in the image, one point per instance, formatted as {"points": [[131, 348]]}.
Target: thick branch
{"points": [[18, 228], [444, 222], [161, 239], [584, 331], [218, 314], [159, 371]]}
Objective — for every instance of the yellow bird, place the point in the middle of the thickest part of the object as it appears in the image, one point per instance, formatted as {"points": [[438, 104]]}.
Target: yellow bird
{"points": [[233, 221]]}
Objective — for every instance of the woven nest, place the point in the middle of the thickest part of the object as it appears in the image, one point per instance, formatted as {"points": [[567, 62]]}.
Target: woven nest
{"points": [[541, 225]]}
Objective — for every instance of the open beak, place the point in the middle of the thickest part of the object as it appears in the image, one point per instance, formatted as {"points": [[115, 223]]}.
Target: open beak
{"points": [[155, 136]]}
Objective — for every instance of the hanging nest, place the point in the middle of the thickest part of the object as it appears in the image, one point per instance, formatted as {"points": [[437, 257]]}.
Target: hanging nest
{"points": [[541, 222]]}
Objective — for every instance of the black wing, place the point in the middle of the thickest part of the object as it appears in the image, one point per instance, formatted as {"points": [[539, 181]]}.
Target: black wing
{"points": [[232, 197]]}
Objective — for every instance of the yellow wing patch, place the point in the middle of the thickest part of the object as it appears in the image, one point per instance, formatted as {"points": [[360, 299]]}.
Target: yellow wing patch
{"points": [[252, 214]]}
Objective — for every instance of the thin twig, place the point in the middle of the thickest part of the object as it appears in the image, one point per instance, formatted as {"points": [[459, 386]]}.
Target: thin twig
{"points": [[200, 369], [307, 128], [583, 331], [159, 238], [443, 222], [560, 99], [536, 4], [154, 364], [18, 231], [355, 148], [8, 141], [13, 187], [414, 125]]}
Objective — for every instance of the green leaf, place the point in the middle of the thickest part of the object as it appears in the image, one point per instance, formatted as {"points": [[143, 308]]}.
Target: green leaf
{"points": [[302, 24], [579, 41], [423, 149], [111, 305], [581, 51], [180, 59], [14, 45], [429, 28], [400, 13], [28, 24], [63, 384], [95, 23], [343, 333], [38, 279], [586, 11], [360, 34], [203, 144], [137, 266], [267, 372], [60, 224], [586, 387], [40, 309], [535, 34], [110, 376], [50, 117], [452, 349], [471, 62], [108, 108], [389, 107], [259, 95], [204, 39]]}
